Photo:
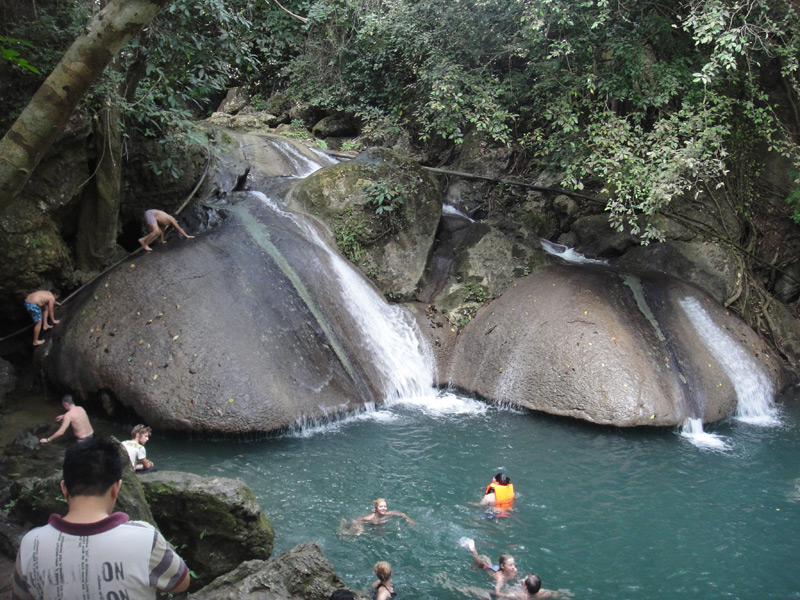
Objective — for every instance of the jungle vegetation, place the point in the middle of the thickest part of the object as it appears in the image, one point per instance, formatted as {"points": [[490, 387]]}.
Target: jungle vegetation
{"points": [[641, 101]]}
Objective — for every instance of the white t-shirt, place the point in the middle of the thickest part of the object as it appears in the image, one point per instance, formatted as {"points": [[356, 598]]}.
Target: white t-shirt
{"points": [[136, 451], [113, 558]]}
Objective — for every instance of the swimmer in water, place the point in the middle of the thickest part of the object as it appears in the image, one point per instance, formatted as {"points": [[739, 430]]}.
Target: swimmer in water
{"points": [[498, 497], [383, 588], [503, 573], [379, 516], [532, 588]]}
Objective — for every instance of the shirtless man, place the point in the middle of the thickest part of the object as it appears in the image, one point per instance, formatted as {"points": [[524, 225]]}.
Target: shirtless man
{"points": [[41, 305], [74, 416], [158, 221]]}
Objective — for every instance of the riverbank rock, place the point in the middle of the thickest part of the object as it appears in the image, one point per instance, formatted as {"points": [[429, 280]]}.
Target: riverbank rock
{"points": [[302, 573], [8, 380], [33, 474], [611, 349], [214, 522], [383, 210], [243, 329]]}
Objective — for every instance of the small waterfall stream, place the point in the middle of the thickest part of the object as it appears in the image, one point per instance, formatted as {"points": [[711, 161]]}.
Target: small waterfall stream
{"points": [[753, 388], [399, 353]]}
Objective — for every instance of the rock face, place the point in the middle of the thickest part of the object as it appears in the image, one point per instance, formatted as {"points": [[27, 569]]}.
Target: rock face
{"points": [[243, 329], [32, 498], [383, 210], [606, 348], [214, 521], [299, 574]]}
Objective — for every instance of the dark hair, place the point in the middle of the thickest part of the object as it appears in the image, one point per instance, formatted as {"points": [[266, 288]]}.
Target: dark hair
{"points": [[68, 400], [137, 429], [532, 583], [343, 594], [91, 468], [502, 478]]}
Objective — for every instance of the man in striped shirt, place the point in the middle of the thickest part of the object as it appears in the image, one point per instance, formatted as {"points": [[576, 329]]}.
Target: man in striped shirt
{"points": [[93, 552]]}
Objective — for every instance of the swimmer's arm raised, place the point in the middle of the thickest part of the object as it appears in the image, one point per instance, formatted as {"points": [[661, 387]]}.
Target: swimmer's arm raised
{"points": [[400, 514]]}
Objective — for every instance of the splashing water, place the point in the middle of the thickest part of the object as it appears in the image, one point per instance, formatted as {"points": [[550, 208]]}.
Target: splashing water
{"points": [[753, 388], [568, 254], [692, 429], [303, 165]]}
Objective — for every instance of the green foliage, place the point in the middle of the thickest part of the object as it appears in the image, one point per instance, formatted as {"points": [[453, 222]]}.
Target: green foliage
{"points": [[473, 292], [298, 131], [385, 199], [13, 56], [644, 100], [349, 239], [794, 198]]}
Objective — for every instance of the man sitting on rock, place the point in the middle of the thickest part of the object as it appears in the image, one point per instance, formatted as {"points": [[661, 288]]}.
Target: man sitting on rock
{"points": [[92, 552], [140, 434]]}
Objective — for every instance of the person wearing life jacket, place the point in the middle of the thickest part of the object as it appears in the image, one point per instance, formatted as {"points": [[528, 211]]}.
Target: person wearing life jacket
{"points": [[499, 493]]}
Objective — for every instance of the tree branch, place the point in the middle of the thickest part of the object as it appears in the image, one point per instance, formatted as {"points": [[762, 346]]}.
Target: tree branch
{"points": [[288, 12]]}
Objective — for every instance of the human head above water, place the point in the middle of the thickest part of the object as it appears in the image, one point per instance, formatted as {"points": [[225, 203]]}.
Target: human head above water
{"points": [[140, 430], [91, 468], [532, 583], [383, 570], [502, 478], [507, 562], [378, 501]]}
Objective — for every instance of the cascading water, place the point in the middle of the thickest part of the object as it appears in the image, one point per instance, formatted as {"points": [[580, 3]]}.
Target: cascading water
{"points": [[692, 429], [753, 388], [398, 351], [568, 254]]}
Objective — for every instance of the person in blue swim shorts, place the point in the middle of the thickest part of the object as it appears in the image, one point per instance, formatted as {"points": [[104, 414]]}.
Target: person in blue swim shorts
{"points": [[41, 305]]}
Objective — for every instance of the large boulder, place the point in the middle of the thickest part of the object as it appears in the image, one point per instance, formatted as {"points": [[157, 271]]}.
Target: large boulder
{"points": [[383, 211], [609, 348], [486, 259], [215, 521], [710, 266], [302, 573], [239, 330]]}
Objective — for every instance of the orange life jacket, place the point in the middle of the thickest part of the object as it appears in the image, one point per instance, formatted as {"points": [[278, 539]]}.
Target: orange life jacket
{"points": [[503, 494]]}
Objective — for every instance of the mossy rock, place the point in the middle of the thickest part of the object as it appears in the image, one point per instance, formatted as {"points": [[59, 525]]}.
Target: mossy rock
{"points": [[215, 523], [383, 211]]}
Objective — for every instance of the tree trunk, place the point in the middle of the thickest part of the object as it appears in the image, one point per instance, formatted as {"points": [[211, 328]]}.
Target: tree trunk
{"points": [[43, 119], [97, 227]]}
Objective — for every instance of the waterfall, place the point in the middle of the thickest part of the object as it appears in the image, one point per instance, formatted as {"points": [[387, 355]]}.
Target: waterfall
{"points": [[753, 388], [394, 342], [692, 429], [568, 254], [398, 351]]}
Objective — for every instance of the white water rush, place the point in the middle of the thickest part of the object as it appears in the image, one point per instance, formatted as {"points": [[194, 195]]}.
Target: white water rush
{"points": [[568, 254], [692, 429], [754, 391]]}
